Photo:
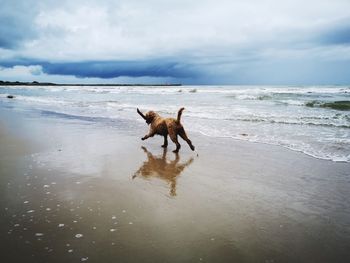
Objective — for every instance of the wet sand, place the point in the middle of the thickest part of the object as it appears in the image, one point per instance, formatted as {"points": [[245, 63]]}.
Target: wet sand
{"points": [[72, 191]]}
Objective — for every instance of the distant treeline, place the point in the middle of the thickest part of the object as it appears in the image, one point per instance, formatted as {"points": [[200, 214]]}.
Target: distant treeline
{"points": [[36, 83]]}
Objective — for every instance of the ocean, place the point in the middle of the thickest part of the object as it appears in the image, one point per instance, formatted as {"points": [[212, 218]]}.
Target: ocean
{"points": [[314, 120]]}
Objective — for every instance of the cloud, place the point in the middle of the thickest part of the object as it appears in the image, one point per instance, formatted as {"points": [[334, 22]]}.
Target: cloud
{"points": [[16, 22], [20, 72], [134, 30], [112, 69], [339, 35], [104, 69], [65, 73], [193, 41]]}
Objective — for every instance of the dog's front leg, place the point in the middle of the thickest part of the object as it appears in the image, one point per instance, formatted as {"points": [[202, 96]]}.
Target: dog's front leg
{"points": [[150, 134]]}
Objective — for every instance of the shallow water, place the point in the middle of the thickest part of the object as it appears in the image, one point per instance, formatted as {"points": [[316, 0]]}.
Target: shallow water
{"points": [[308, 119]]}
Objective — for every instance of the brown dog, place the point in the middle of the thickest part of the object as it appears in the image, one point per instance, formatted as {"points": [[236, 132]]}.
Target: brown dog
{"points": [[165, 126]]}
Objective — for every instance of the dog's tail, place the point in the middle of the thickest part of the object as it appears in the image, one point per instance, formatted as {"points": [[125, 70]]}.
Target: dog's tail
{"points": [[179, 114]]}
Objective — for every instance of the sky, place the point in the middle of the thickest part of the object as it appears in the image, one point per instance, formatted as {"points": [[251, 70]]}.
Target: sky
{"points": [[250, 42]]}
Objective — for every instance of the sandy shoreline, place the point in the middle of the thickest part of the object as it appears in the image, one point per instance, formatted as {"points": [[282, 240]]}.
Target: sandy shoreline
{"points": [[234, 202]]}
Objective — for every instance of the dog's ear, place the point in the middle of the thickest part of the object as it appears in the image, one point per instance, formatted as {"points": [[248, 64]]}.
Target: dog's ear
{"points": [[150, 116]]}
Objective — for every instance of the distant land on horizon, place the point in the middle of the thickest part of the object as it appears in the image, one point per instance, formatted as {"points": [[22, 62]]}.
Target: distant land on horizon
{"points": [[36, 83]]}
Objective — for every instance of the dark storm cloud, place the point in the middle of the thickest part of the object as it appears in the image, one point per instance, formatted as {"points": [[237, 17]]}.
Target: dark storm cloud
{"points": [[112, 69], [109, 69], [339, 35]]}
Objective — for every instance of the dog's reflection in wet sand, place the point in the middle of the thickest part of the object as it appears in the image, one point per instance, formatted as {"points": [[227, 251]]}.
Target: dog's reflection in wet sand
{"points": [[167, 170]]}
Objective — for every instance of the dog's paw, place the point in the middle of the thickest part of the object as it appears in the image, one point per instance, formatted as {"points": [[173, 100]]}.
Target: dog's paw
{"points": [[192, 147], [164, 146], [143, 138]]}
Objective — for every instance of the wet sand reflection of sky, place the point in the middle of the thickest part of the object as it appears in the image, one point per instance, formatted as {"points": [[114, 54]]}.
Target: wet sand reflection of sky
{"points": [[163, 168]]}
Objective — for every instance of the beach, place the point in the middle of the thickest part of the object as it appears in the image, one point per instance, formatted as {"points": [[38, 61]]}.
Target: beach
{"points": [[73, 190], [174, 131]]}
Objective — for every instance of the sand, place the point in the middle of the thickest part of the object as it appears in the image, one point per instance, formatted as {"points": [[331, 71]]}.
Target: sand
{"points": [[73, 191]]}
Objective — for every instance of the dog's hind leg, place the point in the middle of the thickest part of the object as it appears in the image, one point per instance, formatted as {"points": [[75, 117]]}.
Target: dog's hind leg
{"points": [[165, 141], [183, 135], [173, 137]]}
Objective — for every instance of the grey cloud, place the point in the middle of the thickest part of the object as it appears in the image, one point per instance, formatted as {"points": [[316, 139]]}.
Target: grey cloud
{"points": [[17, 22], [337, 36], [198, 41]]}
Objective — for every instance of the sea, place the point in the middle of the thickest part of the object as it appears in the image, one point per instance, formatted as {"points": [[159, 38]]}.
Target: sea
{"points": [[314, 120]]}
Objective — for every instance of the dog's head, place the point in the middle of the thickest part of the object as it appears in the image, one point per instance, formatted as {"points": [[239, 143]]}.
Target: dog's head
{"points": [[150, 116]]}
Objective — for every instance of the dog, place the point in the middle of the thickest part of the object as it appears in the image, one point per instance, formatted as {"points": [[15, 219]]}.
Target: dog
{"points": [[164, 127]]}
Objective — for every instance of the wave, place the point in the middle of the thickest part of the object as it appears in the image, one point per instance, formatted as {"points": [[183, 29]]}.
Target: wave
{"points": [[296, 123], [316, 152], [295, 99], [35, 99], [343, 105], [225, 113], [333, 121], [251, 90]]}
